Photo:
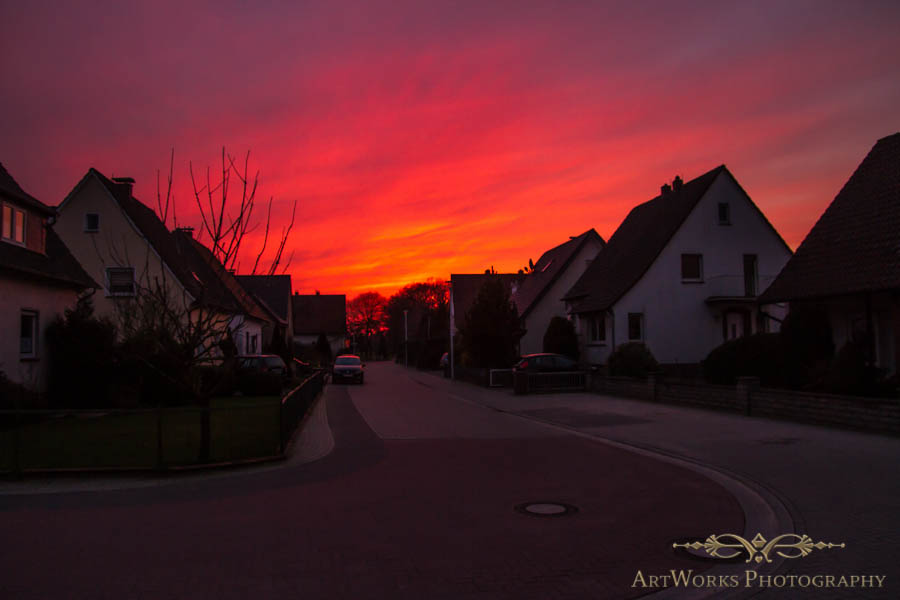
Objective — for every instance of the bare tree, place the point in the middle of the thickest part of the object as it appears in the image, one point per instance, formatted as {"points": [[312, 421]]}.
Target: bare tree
{"points": [[181, 329], [366, 317]]}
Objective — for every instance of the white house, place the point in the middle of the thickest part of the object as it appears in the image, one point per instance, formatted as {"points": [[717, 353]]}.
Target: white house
{"points": [[539, 294], [125, 247], [849, 263], [317, 314], [39, 280], [681, 274]]}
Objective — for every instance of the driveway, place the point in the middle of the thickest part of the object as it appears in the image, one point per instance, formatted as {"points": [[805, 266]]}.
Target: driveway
{"points": [[414, 494]]}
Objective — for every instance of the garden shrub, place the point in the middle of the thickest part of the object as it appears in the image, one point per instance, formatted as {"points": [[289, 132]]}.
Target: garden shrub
{"points": [[806, 342], [757, 355], [561, 338], [632, 359]]}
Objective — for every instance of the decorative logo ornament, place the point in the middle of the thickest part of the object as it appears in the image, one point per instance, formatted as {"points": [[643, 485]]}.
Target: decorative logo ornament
{"points": [[730, 545]]}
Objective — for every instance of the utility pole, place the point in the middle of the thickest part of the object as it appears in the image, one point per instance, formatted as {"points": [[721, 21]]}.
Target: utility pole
{"points": [[451, 330], [405, 338]]}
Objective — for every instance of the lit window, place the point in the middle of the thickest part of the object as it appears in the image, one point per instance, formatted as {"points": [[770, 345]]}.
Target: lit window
{"points": [[13, 224], [692, 267], [120, 281], [91, 222], [724, 213], [29, 334], [635, 327]]}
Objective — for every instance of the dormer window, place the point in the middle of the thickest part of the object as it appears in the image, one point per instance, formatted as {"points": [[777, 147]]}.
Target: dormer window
{"points": [[91, 222], [13, 224], [724, 213]]}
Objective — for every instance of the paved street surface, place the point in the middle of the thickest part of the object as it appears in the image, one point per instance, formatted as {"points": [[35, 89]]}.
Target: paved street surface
{"points": [[406, 487], [838, 486]]}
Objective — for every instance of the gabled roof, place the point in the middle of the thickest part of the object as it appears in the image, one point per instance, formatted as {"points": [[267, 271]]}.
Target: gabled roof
{"points": [[855, 245], [273, 291], [636, 244], [148, 225], [12, 191], [549, 267], [319, 313], [216, 286], [57, 266], [465, 289]]}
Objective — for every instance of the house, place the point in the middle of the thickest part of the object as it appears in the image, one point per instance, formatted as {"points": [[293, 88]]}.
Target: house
{"points": [[39, 280], [464, 288], [849, 262], [248, 321], [681, 274], [539, 295], [125, 247], [317, 314], [273, 293]]}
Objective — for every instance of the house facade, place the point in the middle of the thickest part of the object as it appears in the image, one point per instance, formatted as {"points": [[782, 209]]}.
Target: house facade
{"points": [[128, 250], [681, 274], [39, 280], [317, 314], [849, 263], [539, 295], [273, 293]]}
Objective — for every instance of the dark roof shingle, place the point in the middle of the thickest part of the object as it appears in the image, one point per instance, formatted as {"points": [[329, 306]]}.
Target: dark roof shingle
{"points": [[636, 244], [56, 266], [548, 269], [273, 290], [855, 245], [11, 190]]}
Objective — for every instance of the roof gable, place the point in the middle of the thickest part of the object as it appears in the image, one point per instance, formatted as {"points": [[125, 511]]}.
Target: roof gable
{"points": [[549, 268], [273, 290], [12, 191], [855, 245], [636, 244], [319, 313]]}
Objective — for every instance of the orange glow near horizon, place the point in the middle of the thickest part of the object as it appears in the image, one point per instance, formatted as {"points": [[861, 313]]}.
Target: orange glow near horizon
{"points": [[423, 139]]}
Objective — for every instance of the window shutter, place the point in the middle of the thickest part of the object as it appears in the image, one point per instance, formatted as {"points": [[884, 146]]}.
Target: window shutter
{"points": [[121, 281]]}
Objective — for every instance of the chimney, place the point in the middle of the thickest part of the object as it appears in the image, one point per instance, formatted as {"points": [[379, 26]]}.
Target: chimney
{"points": [[124, 185], [677, 183], [666, 189], [188, 231]]}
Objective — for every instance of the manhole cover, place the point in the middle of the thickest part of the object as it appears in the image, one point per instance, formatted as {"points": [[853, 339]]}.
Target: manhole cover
{"points": [[546, 509]]}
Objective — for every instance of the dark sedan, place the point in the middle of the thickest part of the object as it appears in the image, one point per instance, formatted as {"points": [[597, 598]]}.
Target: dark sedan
{"points": [[545, 362], [348, 367]]}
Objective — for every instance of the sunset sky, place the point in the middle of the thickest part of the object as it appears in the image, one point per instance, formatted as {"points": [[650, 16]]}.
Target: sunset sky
{"points": [[423, 138]]}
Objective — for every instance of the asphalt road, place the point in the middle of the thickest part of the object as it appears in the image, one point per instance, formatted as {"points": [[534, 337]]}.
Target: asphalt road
{"points": [[412, 495]]}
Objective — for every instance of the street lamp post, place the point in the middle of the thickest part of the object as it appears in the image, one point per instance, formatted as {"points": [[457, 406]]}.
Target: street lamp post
{"points": [[405, 338]]}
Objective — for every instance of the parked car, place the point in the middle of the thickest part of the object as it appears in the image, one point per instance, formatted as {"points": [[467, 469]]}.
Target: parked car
{"points": [[348, 366], [545, 362], [263, 363]]}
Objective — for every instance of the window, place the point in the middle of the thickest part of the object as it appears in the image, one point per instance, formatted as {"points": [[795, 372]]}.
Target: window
{"points": [[28, 334], [635, 327], [724, 213], [120, 281], [252, 343], [13, 224], [91, 222], [750, 275], [597, 324], [692, 267]]}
